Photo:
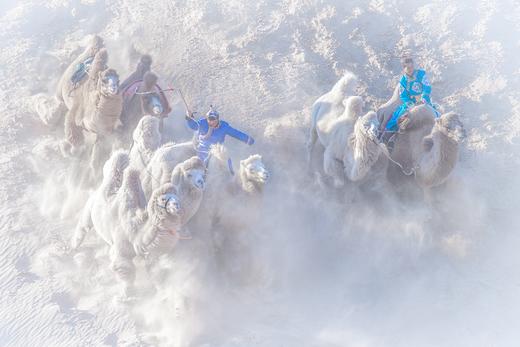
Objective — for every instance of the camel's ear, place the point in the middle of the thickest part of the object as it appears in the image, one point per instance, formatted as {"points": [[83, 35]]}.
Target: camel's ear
{"points": [[177, 175]]}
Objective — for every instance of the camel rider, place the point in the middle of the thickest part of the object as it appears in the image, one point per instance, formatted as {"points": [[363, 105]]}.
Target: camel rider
{"points": [[212, 130], [414, 89]]}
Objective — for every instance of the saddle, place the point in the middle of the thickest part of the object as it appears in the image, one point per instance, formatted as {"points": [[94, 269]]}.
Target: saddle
{"points": [[81, 71]]}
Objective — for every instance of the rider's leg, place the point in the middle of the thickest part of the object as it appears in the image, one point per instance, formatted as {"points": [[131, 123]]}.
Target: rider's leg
{"points": [[392, 123]]}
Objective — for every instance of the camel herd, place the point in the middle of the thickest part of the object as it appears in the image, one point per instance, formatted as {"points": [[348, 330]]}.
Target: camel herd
{"points": [[426, 151], [149, 191]]}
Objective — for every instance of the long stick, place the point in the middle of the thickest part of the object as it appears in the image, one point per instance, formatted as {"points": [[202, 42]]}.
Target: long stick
{"points": [[185, 103]]}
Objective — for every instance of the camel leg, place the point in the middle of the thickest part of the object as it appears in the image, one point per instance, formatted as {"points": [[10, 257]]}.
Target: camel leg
{"points": [[83, 227], [313, 136], [121, 262], [73, 133], [99, 155], [333, 168]]}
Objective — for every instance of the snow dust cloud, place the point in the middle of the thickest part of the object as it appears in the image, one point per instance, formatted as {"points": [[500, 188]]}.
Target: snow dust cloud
{"points": [[303, 264]]}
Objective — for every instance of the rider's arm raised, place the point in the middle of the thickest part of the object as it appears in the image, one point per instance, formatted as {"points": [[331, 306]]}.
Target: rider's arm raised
{"points": [[192, 123], [237, 134]]}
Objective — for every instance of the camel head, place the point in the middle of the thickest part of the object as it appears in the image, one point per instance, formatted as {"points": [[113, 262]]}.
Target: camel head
{"points": [[113, 170], [190, 173], [353, 107], [164, 202], [368, 125], [164, 214], [146, 135], [450, 125], [253, 173], [150, 98], [108, 83]]}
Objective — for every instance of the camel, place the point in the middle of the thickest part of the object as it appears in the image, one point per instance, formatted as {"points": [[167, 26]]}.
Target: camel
{"points": [[352, 149], [52, 110], [118, 212], [187, 175], [428, 147], [146, 140], [142, 97], [330, 106], [241, 190], [96, 108]]}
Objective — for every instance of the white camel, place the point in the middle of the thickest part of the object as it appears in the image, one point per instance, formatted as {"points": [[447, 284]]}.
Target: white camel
{"points": [[352, 149], [329, 106], [188, 178], [161, 165], [118, 212], [146, 140], [232, 197]]}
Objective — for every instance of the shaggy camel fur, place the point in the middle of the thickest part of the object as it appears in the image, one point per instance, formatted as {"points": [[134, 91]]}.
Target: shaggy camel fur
{"points": [[164, 160], [429, 147], [227, 192], [65, 87], [146, 139], [350, 141], [118, 212], [96, 104], [96, 108], [328, 107], [188, 176]]}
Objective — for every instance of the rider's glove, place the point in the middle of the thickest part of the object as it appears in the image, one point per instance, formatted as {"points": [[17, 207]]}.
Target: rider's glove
{"points": [[250, 140]]}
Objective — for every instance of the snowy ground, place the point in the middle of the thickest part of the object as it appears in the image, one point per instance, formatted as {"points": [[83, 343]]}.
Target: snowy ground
{"points": [[319, 272]]}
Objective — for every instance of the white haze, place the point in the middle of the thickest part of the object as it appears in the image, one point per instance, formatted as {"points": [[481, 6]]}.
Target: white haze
{"points": [[312, 267]]}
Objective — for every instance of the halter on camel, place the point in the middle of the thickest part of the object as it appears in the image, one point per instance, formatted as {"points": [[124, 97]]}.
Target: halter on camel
{"points": [[133, 89]]}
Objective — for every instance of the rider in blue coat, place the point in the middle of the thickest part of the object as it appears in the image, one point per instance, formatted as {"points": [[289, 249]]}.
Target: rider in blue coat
{"points": [[212, 130], [414, 89]]}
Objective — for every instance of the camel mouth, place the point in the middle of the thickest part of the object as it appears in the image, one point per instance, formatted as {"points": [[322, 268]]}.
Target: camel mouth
{"points": [[371, 129], [199, 184], [111, 85], [157, 108], [170, 203], [263, 176], [173, 206]]}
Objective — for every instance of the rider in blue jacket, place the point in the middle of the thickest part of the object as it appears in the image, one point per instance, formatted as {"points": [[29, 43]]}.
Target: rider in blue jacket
{"points": [[212, 130], [414, 89]]}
